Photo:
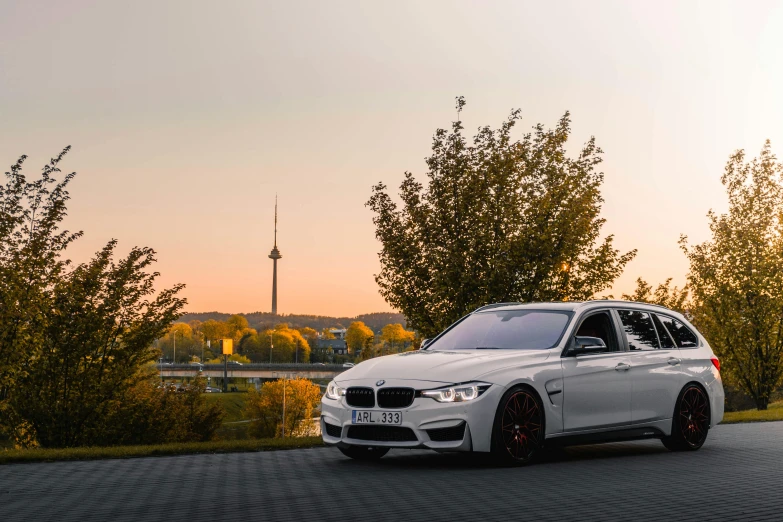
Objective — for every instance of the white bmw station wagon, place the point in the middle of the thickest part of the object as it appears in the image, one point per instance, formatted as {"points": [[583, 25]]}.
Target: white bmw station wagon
{"points": [[510, 379]]}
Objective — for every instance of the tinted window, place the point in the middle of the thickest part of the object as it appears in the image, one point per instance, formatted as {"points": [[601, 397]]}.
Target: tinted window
{"points": [[639, 330], [505, 329], [682, 335], [663, 335]]}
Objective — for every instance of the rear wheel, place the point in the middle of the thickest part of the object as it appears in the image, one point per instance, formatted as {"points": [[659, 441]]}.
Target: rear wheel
{"points": [[364, 452], [691, 420], [518, 433]]}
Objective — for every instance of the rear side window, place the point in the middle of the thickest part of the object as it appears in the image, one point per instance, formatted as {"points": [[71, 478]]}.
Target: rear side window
{"points": [[639, 330], [663, 334], [681, 334]]}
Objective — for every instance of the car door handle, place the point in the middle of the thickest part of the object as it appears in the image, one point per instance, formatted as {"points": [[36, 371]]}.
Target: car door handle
{"points": [[674, 361], [622, 367]]}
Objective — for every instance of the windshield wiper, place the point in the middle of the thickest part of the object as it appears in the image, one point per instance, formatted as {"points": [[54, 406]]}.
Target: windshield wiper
{"points": [[486, 348]]}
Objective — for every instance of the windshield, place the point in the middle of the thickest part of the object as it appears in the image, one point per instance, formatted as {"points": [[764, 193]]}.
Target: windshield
{"points": [[505, 329]]}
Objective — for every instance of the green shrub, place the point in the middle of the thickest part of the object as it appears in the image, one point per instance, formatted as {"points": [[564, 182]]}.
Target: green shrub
{"points": [[150, 413]]}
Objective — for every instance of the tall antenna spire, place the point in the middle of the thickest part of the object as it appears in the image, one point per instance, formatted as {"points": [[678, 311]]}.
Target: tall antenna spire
{"points": [[274, 255]]}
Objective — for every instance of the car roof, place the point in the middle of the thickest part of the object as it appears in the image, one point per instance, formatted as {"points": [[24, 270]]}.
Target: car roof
{"points": [[562, 305], [573, 306]]}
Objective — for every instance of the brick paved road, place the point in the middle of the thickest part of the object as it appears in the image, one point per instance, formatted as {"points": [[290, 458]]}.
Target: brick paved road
{"points": [[738, 475]]}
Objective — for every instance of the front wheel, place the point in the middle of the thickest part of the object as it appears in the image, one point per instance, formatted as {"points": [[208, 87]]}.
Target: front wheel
{"points": [[364, 452], [518, 433], [691, 420]]}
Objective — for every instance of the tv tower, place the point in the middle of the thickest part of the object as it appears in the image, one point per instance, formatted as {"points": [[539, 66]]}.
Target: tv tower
{"points": [[274, 256]]}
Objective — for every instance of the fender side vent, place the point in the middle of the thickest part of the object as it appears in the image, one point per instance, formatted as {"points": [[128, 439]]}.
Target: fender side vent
{"points": [[332, 430], [447, 434]]}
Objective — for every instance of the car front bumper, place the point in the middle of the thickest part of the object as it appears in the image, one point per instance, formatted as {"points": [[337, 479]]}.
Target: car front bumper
{"points": [[423, 415]]}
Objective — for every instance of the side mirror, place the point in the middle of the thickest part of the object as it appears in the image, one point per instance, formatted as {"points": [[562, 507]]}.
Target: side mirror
{"points": [[583, 344], [424, 343]]}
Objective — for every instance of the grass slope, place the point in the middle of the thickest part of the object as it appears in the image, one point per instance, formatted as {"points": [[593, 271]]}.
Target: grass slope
{"points": [[233, 403], [774, 412], [122, 452]]}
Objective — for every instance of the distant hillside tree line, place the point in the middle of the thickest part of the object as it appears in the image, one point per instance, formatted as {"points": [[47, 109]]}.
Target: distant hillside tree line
{"points": [[264, 320], [198, 341]]}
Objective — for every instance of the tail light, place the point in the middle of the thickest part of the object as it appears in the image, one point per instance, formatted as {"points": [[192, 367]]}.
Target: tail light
{"points": [[716, 363]]}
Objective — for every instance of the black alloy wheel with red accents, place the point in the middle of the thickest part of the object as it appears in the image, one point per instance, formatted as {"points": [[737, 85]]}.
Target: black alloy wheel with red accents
{"points": [[518, 433], [691, 420]]}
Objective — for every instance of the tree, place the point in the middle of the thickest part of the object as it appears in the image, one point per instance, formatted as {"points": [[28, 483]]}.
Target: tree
{"points": [[181, 337], [250, 345], [308, 333], [357, 336], [664, 295], [235, 357], [245, 340], [499, 220], [150, 414], [74, 342], [265, 407], [199, 340], [288, 346], [326, 333], [311, 337], [235, 328], [737, 276], [236, 324], [371, 350], [214, 330], [31, 262], [395, 336], [98, 333]]}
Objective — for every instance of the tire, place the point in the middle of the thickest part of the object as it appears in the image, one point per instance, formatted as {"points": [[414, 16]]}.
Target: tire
{"points": [[518, 430], [691, 420], [364, 452]]}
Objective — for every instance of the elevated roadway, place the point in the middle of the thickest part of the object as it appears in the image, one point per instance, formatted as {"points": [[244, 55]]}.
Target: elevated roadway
{"points": [[263, 371]]}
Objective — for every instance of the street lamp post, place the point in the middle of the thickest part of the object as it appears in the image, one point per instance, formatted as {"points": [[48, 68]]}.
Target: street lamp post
{"points": [[284, 383], [174, 335], [277, 376], [270, 347], [225, 372]]}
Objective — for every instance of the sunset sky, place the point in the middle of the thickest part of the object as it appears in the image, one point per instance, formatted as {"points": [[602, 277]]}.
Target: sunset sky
{"points": [[186, 117]]}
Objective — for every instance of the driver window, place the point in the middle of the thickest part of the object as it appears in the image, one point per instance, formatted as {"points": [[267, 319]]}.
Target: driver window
{"points": [[600, 325]]}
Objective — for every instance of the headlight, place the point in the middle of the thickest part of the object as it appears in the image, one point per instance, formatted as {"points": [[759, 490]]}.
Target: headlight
{"points": [[333, 391], [458, 392]]}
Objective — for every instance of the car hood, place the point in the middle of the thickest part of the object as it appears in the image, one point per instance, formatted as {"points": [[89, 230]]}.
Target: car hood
{"points": [[441, 366]]}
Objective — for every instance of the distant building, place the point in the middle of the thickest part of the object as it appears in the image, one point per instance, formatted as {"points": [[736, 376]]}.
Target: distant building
{"points": [[339, 333], [337, 346]]}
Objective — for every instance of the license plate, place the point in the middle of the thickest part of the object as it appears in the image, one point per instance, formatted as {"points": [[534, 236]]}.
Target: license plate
{"points": [[376, 417]]}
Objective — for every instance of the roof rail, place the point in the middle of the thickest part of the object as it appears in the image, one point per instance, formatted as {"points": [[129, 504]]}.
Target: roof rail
{"points": [[495, 305], [622, 301], [577, 303]]}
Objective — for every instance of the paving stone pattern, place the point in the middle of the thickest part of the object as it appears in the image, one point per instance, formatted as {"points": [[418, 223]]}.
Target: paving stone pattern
{"points": [[737, 475]]}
